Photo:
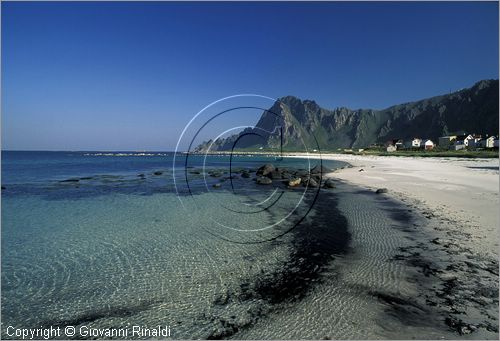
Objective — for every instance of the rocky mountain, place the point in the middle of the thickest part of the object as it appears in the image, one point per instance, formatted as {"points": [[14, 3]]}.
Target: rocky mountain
{"points": [[472, 110]]}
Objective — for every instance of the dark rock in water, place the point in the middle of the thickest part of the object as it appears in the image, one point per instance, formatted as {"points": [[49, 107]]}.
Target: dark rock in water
{"points": [[310, 183], [301, 173], [3, 187], [70, 180], [262, 180], [86, 178], [215, 174], [381, 190], [266, 169], [329, 183], [316, 177], [320, 169], [275, 174], [141, 175], [194, 172], [216, 185], [361, 170], [158, 173], [245, 174], [460, 326]]}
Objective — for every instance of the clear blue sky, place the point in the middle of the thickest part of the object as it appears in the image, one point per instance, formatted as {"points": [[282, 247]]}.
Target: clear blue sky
{"points": [[129, 76]]}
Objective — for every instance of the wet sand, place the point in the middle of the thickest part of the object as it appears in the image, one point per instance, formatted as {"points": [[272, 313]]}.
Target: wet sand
{"points": [[462, 191]]}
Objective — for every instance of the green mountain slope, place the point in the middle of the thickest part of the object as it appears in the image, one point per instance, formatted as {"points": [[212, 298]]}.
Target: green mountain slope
{"points": [[473, 110]]}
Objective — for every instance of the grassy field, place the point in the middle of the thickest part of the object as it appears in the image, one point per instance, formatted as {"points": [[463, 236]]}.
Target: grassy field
{"points": [[426, 153]]}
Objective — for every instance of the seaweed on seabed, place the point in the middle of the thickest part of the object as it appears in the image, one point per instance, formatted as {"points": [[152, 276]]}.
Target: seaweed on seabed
{"points": [[316, 240]]}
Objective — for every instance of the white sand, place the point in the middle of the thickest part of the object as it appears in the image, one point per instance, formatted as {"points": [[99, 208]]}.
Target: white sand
{"points": [[463, 191]]}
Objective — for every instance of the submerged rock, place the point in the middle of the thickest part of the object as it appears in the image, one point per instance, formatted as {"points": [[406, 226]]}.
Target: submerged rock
{"points": [[381, 190], [275, 174], [245, 174], [301, 173], [215, 174], [70, 180], [262, 180], [310, 183], [158, 173], [320, 169], [3, 187], [266, 169]]}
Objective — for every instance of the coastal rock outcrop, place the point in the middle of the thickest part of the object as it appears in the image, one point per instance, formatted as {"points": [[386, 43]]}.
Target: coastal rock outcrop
{"points": [[310, 182], [266, 169], [320, 169], [294, 182], [263, 180]]}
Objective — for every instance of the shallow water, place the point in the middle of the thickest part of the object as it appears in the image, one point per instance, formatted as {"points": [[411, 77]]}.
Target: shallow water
{"points": [[112, 241], [112, 250]]}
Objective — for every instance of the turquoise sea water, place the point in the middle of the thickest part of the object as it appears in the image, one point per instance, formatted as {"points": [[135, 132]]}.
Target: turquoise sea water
{"points": [[110, 240]]}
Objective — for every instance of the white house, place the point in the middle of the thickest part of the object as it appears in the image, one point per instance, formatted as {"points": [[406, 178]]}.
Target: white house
{"points": [[429, 145], [467, 139], [391, 148], [463, 139], [490, 142], [416, 142]]}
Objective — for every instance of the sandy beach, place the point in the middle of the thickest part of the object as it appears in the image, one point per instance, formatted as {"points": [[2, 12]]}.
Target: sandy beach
{"points": [[464, 192], [449, 244]]}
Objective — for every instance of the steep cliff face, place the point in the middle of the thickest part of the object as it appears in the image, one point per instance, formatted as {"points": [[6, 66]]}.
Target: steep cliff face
{"points": [[473, 110]]}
